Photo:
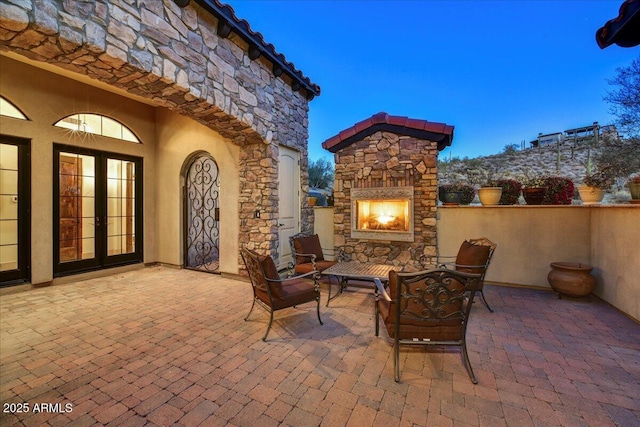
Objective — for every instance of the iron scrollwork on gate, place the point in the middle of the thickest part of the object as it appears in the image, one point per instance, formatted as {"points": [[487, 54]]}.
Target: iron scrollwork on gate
{"points": [[203, 228]]}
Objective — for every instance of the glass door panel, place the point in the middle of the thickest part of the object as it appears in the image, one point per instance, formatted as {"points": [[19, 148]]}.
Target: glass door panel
{"points": [[8, 207], [120, 206], [14, 210], [77, 204]]}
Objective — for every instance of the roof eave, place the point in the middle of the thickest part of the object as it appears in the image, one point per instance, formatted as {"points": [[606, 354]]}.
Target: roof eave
{"points": [[337, 143], [623, 30]]}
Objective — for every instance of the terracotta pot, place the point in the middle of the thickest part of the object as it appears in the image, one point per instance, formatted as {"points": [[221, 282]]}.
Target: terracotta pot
{"points": [[590, 195], [490, 196], [571, 278], [533, 195]]}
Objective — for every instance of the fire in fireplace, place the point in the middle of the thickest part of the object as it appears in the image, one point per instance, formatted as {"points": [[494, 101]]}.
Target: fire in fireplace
{"points": [[382, 213]]}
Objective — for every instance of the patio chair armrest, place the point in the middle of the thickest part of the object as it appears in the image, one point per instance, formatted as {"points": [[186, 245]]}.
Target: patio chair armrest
{"points": [[312, 256], [462, 265], [382, 290], [312, 274]]}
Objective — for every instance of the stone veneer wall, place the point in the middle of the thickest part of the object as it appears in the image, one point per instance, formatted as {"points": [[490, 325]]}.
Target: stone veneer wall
{"points": [[173, 56], [391, 160]]}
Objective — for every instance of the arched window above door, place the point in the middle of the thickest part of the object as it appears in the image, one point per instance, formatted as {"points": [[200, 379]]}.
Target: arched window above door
{"points": [[99, 125], [10, 110]]}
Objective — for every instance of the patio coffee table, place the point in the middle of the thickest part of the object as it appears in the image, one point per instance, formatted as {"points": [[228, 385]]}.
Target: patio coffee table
{"points": [[358, 271]]}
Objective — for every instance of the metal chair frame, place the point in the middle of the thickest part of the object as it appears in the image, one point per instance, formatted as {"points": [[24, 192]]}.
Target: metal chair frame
{"points": [[259, 280], [432, 299], [482, 241]]}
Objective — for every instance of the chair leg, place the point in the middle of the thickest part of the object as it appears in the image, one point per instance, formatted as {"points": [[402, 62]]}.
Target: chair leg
{"points": [[329, 297], [250, 310], [467, 363], [396, 360], [269, 326], [485, 302], [318, 307], [377, 315]]}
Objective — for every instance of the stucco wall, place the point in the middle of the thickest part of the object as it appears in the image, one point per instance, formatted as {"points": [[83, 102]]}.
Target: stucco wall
{"points": [[323, 227], [529, 238], [46, 98], [178, 138], [615, 251]]}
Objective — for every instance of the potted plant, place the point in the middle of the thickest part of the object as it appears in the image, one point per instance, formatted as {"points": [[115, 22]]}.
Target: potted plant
{"points": [[534, 189], [458, 193], [449, 194], [559, 191], [510, 191], [634, 188], [594, 186], [330, 199], [468, 193], [490, 193]]}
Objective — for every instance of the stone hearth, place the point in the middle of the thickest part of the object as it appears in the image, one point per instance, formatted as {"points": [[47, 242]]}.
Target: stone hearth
{"points": [[380, 160]]}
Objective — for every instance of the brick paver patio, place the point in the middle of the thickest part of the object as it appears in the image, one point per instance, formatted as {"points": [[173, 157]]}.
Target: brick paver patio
{"points": [[163, 347]]}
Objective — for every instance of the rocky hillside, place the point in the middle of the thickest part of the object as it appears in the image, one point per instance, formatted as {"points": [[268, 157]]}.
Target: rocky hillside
{"points": [[570, 161]]}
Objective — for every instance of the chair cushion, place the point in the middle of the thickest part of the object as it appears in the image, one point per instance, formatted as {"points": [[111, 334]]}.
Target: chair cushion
{"points": [[271, 272], [294, 292], [307, 267], [308, 245], [470, 254]]}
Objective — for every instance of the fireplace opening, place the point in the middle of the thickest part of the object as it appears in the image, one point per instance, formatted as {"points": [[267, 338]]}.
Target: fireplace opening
{"points": [[382, 214]]}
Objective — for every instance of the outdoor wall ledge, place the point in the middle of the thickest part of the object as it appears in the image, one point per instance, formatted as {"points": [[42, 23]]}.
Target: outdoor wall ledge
{"points": [[606, 206]]}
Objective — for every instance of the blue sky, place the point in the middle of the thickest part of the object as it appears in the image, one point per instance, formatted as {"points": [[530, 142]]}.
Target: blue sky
{"points": [[499, 71]]}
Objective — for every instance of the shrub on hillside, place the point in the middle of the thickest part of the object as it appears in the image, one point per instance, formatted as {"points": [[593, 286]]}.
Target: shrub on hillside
{"points": [[559, 191], [510, 191]]}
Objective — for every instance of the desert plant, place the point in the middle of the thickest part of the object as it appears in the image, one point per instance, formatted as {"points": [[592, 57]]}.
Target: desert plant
{"points": [[602, 178], [534, 182], [468, 193], [559, 191], [510, 191], [620, 158]]}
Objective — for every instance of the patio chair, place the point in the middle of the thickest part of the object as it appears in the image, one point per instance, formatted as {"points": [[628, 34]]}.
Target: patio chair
{"points": [[274, 293], [474, 256], [307, 253], [426, 308]]}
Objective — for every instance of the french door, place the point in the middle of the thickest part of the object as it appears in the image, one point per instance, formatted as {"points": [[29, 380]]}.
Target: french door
{"points": [[97, 210], [15, 210]]}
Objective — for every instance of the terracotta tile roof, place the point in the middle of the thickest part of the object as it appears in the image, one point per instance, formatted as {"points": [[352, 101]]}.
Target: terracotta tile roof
{"points": [[228, 21], [423, 129], [623, 30]]}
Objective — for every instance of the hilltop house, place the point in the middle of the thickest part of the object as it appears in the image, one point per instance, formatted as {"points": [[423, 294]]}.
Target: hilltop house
{"points": [[145, 132]]}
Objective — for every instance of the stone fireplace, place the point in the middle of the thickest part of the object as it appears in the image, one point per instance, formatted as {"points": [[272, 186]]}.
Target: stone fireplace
{"points": [[385, 190]]}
